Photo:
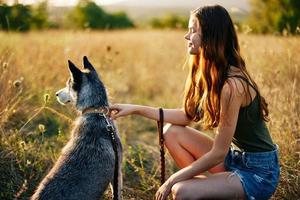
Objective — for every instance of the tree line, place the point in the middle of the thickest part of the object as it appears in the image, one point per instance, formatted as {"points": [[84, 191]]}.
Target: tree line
{"points": [[86, 14], [279, 16], [21, 17], [267, 16]]}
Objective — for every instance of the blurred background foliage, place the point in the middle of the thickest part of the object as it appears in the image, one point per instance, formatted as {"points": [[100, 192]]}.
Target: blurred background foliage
{"points": [[268, 16], [88, 14], [171, 20], [282, 16], [21, 17]]}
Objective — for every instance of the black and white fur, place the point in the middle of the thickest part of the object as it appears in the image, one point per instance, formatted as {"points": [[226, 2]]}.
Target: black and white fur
{"points": [[86, 165]]}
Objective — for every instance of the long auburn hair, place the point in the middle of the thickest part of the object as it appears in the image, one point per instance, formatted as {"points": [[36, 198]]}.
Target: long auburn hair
{"points": [[209, 69]]}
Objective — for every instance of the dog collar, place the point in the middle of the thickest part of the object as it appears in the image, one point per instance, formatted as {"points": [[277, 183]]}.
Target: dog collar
{"points": [[103, 110]]}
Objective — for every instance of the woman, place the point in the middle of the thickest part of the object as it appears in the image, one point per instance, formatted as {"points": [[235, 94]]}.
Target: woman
{"points": [[220, 94]]}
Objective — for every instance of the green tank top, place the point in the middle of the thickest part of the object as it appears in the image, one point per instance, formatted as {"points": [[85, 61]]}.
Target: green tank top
{"points": [[251, 132]]}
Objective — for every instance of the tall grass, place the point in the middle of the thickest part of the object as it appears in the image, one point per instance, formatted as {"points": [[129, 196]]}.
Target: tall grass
{"points": [[142, 67]]}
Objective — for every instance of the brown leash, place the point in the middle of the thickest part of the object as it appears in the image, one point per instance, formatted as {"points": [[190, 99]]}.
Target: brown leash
{"points": [[160, 124], [111, 130]]}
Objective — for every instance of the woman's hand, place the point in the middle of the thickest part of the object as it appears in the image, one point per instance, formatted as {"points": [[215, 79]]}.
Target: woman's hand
{"points": [[120, 110], [164, 190]]}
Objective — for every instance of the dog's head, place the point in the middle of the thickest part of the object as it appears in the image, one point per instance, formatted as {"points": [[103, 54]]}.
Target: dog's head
{"points": [[84, 88]]}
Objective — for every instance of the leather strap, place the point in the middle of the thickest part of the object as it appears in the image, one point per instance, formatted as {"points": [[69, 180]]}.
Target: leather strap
{"points": [[111, 131], [116, 169], [103, 109], [160, 124], [246, 80]]}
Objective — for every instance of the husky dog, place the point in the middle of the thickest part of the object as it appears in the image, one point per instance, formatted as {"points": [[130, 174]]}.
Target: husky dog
{"points": [[87, 162]]}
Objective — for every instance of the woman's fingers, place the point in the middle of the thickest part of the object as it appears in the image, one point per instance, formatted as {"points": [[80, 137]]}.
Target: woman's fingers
{"points": [[113, 110], [115, 114], [119, 110], [158, 195], [163, 192]]}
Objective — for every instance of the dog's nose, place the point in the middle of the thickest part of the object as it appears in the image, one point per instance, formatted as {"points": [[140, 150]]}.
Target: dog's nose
{"points": [[56, 93]]}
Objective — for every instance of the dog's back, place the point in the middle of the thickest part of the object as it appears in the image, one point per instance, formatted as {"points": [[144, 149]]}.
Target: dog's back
{"points": [[86, 159]]}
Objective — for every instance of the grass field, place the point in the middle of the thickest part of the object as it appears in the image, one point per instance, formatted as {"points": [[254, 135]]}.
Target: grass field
{"points": [[142, 67]]}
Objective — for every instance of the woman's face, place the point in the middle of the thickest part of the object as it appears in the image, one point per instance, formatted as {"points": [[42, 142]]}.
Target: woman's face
{"points": [[193, 36]]}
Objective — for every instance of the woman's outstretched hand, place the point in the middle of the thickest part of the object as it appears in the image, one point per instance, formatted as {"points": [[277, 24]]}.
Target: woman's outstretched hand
{"points": [[120, 110]]}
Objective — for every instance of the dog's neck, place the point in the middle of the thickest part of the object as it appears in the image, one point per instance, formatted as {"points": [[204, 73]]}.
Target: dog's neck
{"points": [[103, 109]]}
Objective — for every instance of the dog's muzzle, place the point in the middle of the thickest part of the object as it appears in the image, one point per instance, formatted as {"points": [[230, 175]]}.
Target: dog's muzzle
{"points": [[63, 96]]}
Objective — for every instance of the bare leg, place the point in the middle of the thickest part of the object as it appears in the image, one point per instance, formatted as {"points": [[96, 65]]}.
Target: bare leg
{"points": [[186, 144], [223, 185]]}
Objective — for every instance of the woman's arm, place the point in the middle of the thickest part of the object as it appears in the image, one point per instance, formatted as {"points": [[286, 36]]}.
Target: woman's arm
{"points": [[173, 116], [231, 100]]}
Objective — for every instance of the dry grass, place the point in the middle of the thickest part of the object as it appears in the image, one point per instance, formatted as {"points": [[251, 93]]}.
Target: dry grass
{"points": [[143, 67]]}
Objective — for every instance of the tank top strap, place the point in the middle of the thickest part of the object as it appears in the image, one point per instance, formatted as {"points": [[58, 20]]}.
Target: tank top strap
{"points": [[246, 80]]}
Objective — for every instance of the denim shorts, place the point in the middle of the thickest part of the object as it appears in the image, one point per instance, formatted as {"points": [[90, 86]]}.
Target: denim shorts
{"points": [[258, 171]]}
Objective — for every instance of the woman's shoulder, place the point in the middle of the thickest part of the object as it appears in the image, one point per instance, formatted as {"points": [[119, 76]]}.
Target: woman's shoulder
{"points": [[232, 94], [239, 83], [235, 80], [233, 86]]}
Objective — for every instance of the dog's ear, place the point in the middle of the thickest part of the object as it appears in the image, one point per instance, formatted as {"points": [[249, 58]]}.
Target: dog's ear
{"points": [[87, 64], [75, 72]]}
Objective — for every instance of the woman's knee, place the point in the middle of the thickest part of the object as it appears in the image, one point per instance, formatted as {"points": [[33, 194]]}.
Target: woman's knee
{"points": [[170, 132], [176, 191], [180, 192]]}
